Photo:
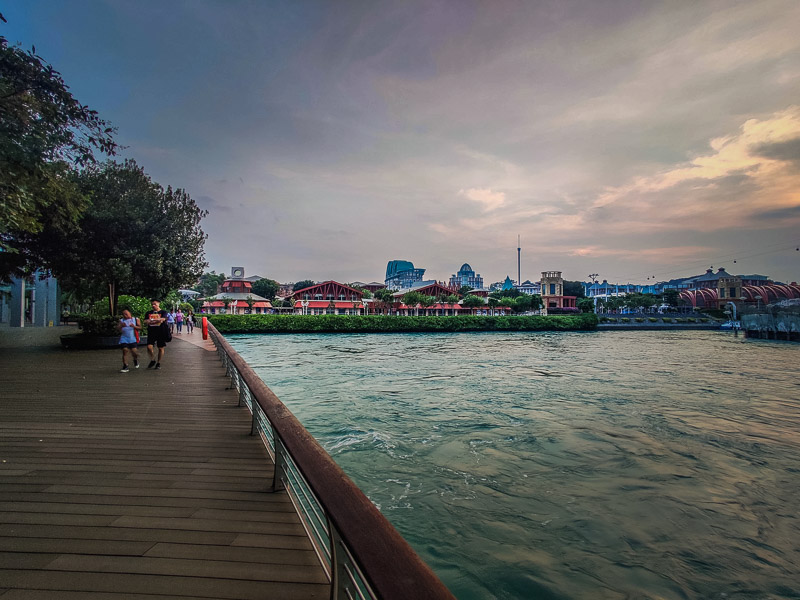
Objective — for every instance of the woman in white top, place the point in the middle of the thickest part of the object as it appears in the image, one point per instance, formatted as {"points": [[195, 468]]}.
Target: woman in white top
{"points": [[128, 326]]}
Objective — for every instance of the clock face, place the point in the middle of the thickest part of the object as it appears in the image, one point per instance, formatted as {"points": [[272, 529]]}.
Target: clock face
{"points": [[238, 272]]}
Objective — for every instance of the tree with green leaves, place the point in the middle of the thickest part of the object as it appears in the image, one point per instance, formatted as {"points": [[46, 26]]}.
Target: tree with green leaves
{"points": [[522, 303], [45, 134], [412, 300], [266, 288], [136, 238], [426, 301], [512, 293], [585, 305], [301, 285], [464, 290], [472, 301], [209, 283], [574, 288], [671, 298], [385, 299]]}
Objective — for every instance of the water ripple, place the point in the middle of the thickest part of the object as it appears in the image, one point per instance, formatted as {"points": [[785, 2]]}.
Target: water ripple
{"points": [[562, 465]]}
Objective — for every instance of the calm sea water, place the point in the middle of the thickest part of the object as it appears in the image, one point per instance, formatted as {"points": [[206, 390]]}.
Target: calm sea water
{"points": [[565, 465]]}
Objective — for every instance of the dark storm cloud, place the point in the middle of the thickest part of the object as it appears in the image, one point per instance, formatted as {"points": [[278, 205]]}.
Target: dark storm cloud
{"points": [[788, 150]]}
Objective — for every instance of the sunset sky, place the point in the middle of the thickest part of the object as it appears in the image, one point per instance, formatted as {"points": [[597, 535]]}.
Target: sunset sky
{"points": [[629, 139]]}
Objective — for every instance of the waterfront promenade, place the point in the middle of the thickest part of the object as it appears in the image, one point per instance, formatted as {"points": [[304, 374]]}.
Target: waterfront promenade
{"points": [[138, 485]]}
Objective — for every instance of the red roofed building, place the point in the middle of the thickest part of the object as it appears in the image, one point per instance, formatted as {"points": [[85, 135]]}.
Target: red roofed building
{"points": [[329, 298], [236, 297]]}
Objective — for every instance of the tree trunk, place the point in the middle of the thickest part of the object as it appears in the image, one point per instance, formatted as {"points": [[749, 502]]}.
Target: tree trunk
{"points": [[112, 298]]}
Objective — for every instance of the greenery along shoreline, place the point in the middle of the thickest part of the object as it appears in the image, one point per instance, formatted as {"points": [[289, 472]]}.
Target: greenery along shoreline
{"points": [[397, 324]]}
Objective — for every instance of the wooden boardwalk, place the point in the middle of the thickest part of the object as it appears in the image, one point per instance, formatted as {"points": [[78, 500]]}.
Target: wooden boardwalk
{"points": [[142, 485]]}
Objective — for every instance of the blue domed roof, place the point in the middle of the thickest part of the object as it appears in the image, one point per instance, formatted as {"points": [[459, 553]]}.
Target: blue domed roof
{"points": [[465, 267]]}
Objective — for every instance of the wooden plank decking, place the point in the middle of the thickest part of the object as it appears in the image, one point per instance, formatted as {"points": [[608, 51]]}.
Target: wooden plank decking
{"points": [[138, 485]]}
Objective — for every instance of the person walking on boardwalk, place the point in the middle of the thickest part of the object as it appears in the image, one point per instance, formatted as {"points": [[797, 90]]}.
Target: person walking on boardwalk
{"points": [[157, 333], [171, 321], [129, 327], [189, 321], [179, 319]]}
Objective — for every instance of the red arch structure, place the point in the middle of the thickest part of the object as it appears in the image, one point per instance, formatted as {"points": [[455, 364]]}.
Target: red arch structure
{"points": [[768, 294]]}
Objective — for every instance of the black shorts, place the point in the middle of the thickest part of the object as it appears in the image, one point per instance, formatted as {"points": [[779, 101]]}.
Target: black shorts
{"points": [[156, 337], [130, 345]]}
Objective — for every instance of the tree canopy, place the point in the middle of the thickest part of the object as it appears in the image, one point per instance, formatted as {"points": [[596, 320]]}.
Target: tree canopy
{"points": [[302, 284], [574, 288], [471, 301], [266, 288], [45, 133], [209, 283], [135, 238]]}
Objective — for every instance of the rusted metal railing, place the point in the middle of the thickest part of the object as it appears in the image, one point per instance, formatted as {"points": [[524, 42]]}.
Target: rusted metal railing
{"points": [[362, 553]]}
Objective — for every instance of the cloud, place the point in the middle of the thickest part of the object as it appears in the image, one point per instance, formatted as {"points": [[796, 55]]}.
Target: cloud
{"points": [[754, 160], [488, 199]]}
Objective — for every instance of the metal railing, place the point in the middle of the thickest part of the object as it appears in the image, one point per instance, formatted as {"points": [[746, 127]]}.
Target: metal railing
{"points": [[363, 555]]}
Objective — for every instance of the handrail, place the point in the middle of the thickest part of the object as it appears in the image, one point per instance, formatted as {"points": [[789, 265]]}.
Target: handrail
{"points": [[368, 557]]}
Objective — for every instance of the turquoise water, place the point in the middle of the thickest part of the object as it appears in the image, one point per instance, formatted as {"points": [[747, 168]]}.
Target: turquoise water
{"points": [[566, 465]]}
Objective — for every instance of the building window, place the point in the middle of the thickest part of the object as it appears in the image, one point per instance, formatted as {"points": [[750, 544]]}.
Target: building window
{"points": [[552, 289], [733, 292]]}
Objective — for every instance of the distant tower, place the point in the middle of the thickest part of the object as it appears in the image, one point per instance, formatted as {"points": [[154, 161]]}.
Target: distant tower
{"points": [[519, 268]]}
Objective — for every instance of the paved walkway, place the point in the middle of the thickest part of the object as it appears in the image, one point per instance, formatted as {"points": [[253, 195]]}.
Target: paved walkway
{"points": [[137, 485]]}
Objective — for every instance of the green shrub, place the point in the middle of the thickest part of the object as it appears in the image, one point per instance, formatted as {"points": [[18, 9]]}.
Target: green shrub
{"points": [[704, 320], [138, 305], [652, 319], [625, 320], [98, 325], [667, 320], [680, 320], [639, 320], [691, 320], [388, 324]]}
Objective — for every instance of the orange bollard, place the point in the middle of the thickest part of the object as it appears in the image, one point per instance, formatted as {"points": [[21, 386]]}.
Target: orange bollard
{"points": [[205, 328]]}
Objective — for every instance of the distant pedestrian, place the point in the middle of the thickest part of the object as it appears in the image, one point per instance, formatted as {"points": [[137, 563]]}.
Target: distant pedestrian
{"points": [[179, 320], [171, 321], [189, 321], [157, 333], [129, 327]]}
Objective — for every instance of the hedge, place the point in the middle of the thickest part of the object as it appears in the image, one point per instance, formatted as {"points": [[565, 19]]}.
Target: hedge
{"points": [[389, 324]]}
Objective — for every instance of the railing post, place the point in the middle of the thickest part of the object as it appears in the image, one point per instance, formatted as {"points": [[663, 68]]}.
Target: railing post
{"points": [[340, 582], [280, 462], [242, 388], [254, 420]]}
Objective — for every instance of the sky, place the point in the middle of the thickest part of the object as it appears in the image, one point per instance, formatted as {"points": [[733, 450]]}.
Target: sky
{"points": [[636, 140]]}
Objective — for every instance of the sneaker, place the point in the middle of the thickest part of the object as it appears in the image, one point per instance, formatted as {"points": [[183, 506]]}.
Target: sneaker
{"points": [[136, 364], [152, 364], [158, 366], [124, 369]]}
